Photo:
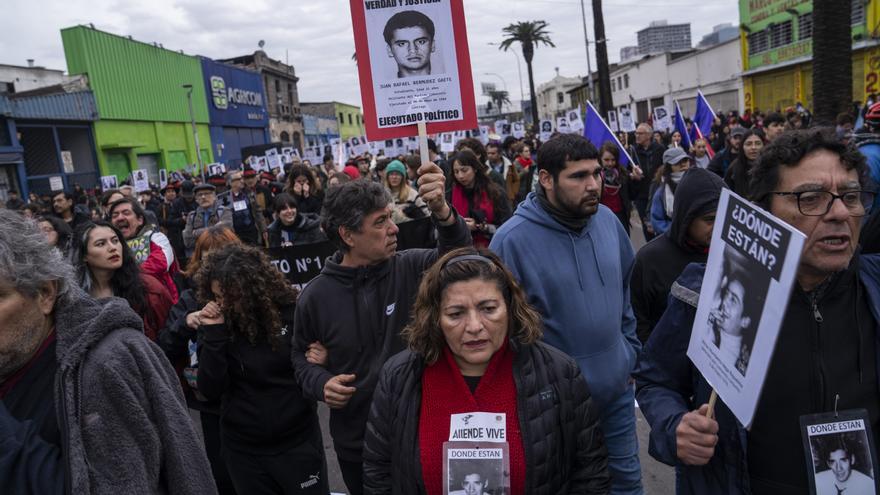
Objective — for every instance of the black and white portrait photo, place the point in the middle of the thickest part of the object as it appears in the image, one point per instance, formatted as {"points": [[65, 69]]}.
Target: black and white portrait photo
{"points": [[546, 126], [109, 182], [842, 462], [475, 477], [409, 36], [736, 310]]}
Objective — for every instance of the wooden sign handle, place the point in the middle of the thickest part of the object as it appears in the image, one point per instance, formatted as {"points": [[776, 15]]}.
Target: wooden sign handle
{"points": [[423, 143], [710, 413]]}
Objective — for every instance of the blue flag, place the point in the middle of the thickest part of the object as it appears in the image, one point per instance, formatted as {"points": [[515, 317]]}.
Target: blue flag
{"points": [[681, 127], [703, 119], [597, 132]]}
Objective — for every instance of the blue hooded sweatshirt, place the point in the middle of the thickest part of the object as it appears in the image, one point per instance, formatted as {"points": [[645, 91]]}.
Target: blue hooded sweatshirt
{"points": [[580, 285]]}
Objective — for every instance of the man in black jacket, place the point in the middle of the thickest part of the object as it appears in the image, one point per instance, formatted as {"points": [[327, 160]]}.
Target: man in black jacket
{"points": [[379, 286], [724, 158], [662, 260], [648, 155]]}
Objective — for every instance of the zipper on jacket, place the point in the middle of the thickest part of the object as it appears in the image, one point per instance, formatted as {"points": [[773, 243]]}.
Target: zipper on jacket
{"points": [[816, 314], [816, 349]]}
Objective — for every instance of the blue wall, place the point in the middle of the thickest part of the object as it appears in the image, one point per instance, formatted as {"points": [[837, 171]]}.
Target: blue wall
{"points": [[235, 96], [233, 140]]}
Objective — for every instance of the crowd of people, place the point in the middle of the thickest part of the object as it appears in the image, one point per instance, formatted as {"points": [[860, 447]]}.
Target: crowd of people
{"points": [[122, 309]]}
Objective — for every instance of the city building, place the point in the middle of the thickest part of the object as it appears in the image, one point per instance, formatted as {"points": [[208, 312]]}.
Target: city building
{"points": [[349, 119], [46, 141], [320, 129], [144, 95], [552, 96], [661, 79], [16, 79], [579, 95], [777, 42], [628, 53], [282, 97], [661, 37], [236, 108], [721, 33]]}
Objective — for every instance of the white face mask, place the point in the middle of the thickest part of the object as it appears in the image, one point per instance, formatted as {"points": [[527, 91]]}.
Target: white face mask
{"points": [[676, 176]]}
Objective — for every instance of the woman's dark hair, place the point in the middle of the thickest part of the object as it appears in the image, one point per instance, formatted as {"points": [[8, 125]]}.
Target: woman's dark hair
{"points": [[105, 197], [474, 145], [254, 292], [424, 335], [789, 148], [282, 201], [126, 280], [62, 229], [136, 208], [564, 148], [347, 205], [482, 182], [301, 170]]}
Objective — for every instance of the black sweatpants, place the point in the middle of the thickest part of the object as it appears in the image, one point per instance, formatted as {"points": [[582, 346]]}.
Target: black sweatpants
{"points": [[300, 470]]}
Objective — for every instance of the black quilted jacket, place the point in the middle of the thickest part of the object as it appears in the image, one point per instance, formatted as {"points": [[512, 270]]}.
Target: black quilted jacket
{"points": [[564, 448]]}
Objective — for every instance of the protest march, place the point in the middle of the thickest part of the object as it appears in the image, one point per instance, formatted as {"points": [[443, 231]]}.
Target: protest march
{"points": [[387, 271]]}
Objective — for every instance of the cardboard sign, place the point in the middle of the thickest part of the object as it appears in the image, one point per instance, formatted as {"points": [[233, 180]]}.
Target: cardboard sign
{"points": [[163, 178], [546, 130], [662, 119], [476, 468], [519, 130], [484, 134], [217, 169], [562, 125], [627, 124], [141, 180], [750, 272], [447, 142], [612, 121], [414, 65], [300, 264], [575, 122], [108, 182], [840, 453], [502, 128]]}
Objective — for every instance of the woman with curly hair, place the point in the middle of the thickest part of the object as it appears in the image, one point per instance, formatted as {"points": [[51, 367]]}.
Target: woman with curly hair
{"points": [[270, 437], [481, 202], [306, 188], [57, 232], [106, 267], [475, 352]]}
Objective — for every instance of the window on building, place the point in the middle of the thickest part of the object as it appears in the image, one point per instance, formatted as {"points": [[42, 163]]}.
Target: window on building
{"points": [[350, 122], [613, 85], [758, 42], [277, 86], [805, 26], [780, 34], [359, 119], [619, 82], [341, 118], [626, 80], [858, 12], [290, 93], [560, 98]]}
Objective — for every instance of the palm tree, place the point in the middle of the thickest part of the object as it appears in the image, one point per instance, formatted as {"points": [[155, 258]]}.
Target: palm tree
{"points": [[499, 98], [605, 102], [529, 34], [832, 59]]}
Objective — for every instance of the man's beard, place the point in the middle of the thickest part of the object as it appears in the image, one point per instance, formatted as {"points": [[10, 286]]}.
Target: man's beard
{"points": [[27, 336]]}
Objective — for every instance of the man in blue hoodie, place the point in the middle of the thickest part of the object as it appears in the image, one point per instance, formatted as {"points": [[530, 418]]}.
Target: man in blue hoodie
{"points": [[574, 259]]}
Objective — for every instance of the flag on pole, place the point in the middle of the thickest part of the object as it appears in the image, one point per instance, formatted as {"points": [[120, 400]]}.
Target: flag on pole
{"points": [[681, 127], [703, 119], [597, 132]]}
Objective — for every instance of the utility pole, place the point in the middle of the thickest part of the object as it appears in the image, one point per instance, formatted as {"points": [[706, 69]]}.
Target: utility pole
{"points": [[192, 119], [587, 45]]}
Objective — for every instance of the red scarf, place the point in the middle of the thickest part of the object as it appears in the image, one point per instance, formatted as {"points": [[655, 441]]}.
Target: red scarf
{"points": [[525, 163], [444, 392], [463, 206]]}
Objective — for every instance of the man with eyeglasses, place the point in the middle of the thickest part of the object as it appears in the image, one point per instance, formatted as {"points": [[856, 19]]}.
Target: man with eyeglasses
{"points": [[827, 350], [648, 155], [247, 216], [208, 213]]}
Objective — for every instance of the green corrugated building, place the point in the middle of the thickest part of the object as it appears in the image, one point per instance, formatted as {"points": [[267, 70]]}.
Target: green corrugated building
{"points": [[144, 115]]}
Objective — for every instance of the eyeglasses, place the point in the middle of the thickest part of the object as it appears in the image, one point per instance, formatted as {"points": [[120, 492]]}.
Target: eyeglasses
{"points": [[818, 203], [204, 194]]}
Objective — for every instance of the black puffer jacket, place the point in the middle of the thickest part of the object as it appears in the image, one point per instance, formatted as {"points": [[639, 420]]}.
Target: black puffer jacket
{"points": [[306, 229], [564, 447]]}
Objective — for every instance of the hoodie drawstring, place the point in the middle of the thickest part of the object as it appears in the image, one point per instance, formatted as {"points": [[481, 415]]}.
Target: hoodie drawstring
{"points": [[577, 261]]}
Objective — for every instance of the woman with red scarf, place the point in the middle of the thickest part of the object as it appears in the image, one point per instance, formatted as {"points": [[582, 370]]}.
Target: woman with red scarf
{"points": [[478, 402], [481, 202]]}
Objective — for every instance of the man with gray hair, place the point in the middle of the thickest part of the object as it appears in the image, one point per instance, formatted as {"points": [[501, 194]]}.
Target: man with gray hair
{"points": [[359, 304], [87, 403], [648, 155]]}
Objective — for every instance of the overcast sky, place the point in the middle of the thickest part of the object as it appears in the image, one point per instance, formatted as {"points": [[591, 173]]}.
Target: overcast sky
{"points": [[316, 35]]}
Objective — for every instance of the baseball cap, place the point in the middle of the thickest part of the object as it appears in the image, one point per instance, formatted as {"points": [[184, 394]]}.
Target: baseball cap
{"points": [[674, 155]]}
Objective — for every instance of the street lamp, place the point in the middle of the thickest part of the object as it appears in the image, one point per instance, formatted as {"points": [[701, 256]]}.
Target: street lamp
{"points": [[192, 119], [522, 95]]}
